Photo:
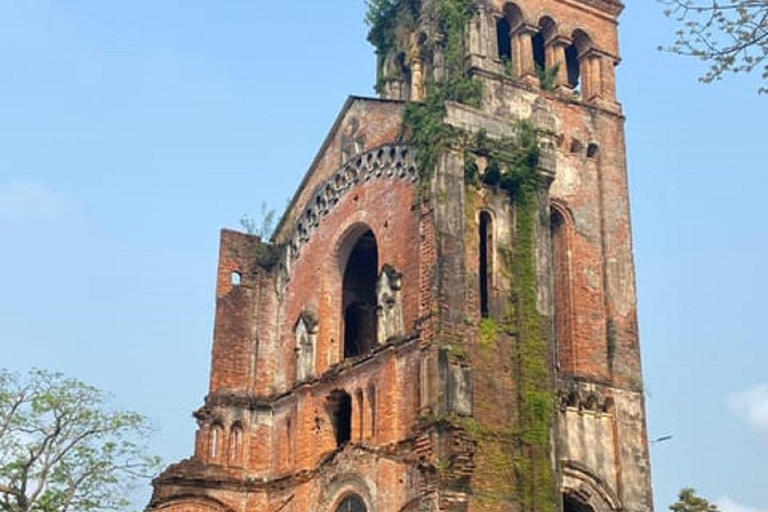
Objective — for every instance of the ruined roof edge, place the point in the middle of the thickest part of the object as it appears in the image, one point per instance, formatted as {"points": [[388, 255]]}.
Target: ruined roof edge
{"points": [[352, 99]]}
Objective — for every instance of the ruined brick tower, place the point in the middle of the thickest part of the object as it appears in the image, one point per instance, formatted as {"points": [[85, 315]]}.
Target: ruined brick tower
{"points": [[445, 318]]}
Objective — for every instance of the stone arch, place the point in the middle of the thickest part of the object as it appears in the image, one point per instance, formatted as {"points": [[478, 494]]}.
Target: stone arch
{"points": [[585, 491], [344, 485], [351, 503], [510, 20]]}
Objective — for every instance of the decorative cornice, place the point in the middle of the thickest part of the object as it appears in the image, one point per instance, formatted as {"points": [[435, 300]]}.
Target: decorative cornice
{"points": [[389, 161]]}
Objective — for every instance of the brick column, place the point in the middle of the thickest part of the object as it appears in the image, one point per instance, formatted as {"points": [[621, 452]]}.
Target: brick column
{"points": [[522, 51], [555, 56]]}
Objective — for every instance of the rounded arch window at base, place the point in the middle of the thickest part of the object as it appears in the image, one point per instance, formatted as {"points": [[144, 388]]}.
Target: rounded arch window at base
{"points": [[351, 503]]}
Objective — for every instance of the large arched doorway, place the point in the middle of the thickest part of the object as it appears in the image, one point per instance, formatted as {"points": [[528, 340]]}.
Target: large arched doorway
{"points": [[359, 296], [352, 503]]}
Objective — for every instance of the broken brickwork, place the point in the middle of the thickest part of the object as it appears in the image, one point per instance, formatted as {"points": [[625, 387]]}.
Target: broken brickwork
{"points": [[370, 357]]}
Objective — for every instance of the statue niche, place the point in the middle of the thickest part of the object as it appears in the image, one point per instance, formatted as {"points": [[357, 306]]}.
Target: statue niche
{"points": [[389, 306]]}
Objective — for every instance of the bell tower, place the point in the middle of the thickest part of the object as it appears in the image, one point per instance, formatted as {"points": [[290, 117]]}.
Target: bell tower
{"points": [[445, 318]]}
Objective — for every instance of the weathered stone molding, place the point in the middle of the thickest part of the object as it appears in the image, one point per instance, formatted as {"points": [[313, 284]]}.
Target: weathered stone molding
{"points": [[389, 161], [584, 397]]}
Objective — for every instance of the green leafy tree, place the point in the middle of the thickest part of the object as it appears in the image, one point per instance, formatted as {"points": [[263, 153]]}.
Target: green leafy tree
{"points": [[731, 35], [63, 450], [689, 502]]}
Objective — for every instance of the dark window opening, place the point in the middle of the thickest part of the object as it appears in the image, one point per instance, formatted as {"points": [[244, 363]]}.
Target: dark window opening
{"points": [[592, 150], [372, 403], [340, 409], [359, 301], [539, 56], [572, 65], [573, 504], [352, 504], [504, 40], [485, 270]]}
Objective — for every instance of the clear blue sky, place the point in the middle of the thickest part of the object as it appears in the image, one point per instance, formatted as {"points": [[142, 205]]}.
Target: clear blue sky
{"points": [[132, 131]]}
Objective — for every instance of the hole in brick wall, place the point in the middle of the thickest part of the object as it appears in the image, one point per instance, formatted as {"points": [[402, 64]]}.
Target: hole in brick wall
{"points": [[359, 297], [593, 150], [236, 278], [340, 411], [485, 267], [576, 145]]}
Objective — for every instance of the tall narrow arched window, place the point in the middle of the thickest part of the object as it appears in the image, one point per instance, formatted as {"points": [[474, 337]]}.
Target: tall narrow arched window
{"points": [[574, 59], [562, 289], [359, 296], [215, 442], [504, 43], [572, 67], [485, 267], [236, 444]]}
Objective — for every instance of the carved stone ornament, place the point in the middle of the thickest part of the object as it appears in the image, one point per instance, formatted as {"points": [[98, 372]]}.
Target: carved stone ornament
{"points": [[305, 334], [389, 306]]}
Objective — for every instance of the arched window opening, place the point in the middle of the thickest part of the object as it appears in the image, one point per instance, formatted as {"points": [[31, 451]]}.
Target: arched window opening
{"points": [[352, 504], [359, 297], [539, 53], [214, 442], [546, 67], [573, 504], [236, 444], [572, 66], [485, 267], [340, 411], [579, 77], [561, 283], [503, 39], [236, 278]]}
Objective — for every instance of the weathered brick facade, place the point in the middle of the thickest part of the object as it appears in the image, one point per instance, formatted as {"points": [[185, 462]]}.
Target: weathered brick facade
{"points": [[368, 357]]}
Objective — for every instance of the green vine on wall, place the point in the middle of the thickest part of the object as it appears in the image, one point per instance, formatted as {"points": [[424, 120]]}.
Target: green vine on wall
{"points": [[512, 166]]}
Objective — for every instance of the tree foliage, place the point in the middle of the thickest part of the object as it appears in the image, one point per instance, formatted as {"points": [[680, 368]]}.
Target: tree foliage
{"points": [[689, 502], [63, 450], [730, 35]]}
